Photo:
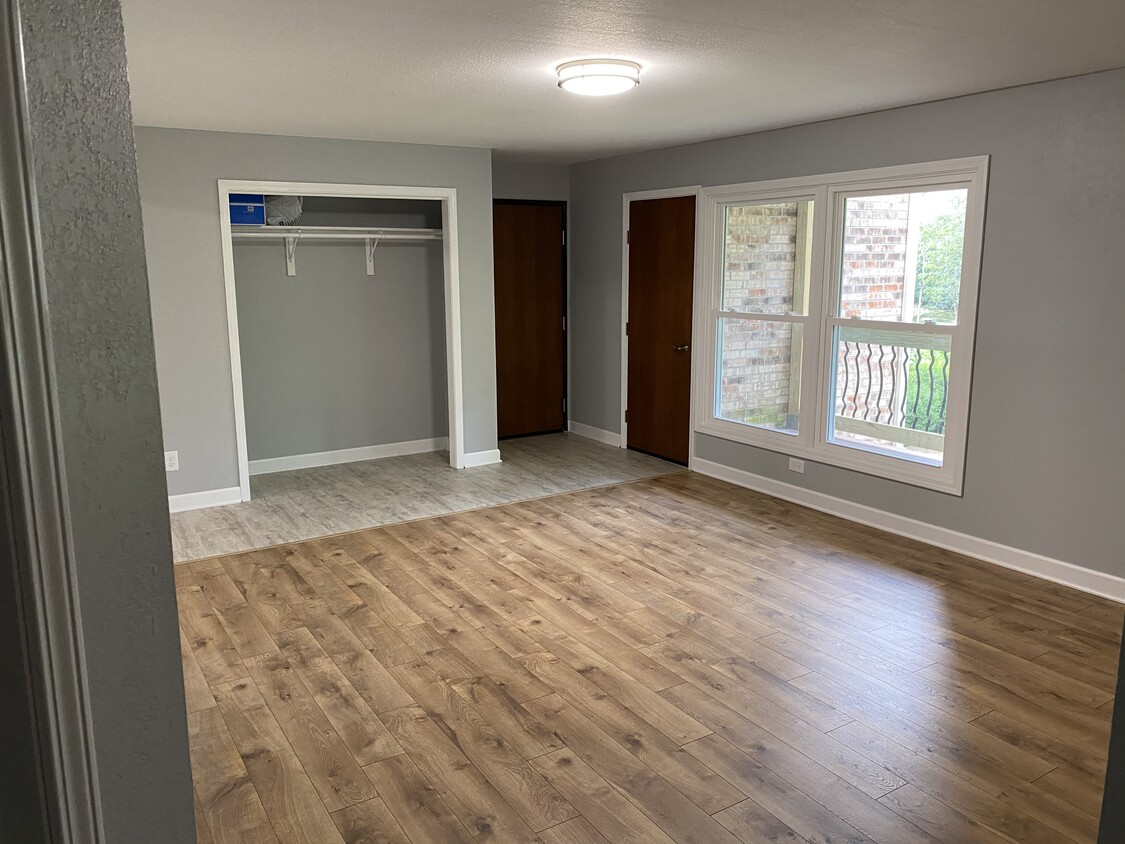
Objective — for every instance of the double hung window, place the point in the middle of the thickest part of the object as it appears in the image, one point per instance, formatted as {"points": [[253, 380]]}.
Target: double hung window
{"points": [[841, 317]]}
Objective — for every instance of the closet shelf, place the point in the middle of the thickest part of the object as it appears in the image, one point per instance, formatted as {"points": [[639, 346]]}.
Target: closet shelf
{"points": [[292, 235], [333, 233]]}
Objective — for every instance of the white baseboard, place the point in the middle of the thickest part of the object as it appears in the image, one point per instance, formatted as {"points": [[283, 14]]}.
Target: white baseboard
{"points": [[207, 498], [481, 458], [345, 455], [1048, 568], [592, 433]]}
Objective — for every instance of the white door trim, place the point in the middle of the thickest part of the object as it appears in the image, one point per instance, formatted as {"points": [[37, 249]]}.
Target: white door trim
{"points": [[39, 542], [626, 198], [448, 199]]}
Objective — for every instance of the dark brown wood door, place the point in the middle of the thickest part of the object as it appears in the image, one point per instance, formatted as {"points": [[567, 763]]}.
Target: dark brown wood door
{"points": [[530, 307], [661, 269]]}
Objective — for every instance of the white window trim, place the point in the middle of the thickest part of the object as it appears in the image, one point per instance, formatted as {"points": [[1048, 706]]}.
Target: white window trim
{"points": [[828, 193]]}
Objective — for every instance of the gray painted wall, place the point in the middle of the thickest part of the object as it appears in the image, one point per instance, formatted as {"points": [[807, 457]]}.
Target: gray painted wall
{"points": [[1046, 459], [528, 180], [93, 258], [357, 211], [178, 173], [334, 358]]}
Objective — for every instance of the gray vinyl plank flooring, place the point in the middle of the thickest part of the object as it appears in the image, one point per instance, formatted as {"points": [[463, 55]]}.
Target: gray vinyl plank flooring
{"points": [[307, 503]]}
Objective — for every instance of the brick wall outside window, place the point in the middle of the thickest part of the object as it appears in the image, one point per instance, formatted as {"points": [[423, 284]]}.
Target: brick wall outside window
{"points": [[874, 275], [760, 260]]}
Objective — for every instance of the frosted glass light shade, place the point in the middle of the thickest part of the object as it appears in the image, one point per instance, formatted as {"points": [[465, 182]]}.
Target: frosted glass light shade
{"points": [[599, 77]]}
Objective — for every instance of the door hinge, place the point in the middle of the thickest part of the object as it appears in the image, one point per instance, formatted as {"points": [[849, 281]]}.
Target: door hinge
{"points": [[564, 323], [628, 237], [564, 404], [626, 329], [564, 237], [626, 414]]}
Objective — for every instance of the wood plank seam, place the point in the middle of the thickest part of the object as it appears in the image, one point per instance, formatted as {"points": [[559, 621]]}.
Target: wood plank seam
{"points": [[615, 649]]}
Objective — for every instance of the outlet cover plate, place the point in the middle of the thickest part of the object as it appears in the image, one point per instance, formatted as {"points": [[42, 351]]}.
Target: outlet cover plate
{"points": [[171, 461], [796, 465]]}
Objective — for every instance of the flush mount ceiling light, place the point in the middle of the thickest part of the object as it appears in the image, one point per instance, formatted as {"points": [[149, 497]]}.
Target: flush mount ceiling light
{"points": [[599, 77]]}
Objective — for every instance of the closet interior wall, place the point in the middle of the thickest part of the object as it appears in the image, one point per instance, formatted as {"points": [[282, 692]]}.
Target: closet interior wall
{"points": [[333, 358]]}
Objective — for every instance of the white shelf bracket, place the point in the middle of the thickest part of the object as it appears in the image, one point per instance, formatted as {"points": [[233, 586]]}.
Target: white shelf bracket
{"points": [[369, 235], [369, 248], [291, 254]]}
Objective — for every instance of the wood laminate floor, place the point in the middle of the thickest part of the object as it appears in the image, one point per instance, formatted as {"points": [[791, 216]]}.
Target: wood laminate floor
{"points": [[307, 503], [673, 659]]}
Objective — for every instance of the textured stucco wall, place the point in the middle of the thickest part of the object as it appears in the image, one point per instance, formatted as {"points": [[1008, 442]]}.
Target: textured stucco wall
{"points": [[93, 254]]}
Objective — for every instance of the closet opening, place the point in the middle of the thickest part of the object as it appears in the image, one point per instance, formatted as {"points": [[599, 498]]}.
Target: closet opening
{"points": [[344, 323]]}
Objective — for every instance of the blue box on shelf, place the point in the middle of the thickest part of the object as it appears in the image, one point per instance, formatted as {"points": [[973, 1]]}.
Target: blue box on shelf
{"points": [[247, 209]]}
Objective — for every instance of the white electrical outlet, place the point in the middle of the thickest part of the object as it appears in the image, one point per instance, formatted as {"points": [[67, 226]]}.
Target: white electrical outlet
{"points": [[171, 461], [796, 465]]}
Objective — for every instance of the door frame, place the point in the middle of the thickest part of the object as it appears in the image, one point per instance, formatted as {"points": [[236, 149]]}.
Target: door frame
{"points": [[565, 205], [35, 522], [626, 199], [454, 378]]}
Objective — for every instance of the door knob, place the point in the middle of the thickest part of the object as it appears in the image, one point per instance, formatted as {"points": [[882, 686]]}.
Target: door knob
{"points": [[682, 348]]}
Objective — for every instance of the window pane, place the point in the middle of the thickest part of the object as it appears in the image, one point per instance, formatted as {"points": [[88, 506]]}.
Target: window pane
{"points": [[759, 373], [766, 257], [891, 389], [902, 256]]}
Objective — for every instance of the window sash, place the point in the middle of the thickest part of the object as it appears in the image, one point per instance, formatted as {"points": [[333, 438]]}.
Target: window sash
{"points": [[796, 373], [839, 201], [933, 339], [802, 262], [711, 372], [789, 317]]}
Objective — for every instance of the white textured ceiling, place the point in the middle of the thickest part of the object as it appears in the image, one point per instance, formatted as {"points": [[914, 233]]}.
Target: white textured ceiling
{"points": [[479, 72]]}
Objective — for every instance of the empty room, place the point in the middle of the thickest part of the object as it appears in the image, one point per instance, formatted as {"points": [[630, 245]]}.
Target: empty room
{"points": [[572, 424]]}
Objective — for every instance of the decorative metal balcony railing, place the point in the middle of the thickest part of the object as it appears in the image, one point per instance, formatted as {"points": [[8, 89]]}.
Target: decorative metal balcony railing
{"points": [[893, 387]]}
